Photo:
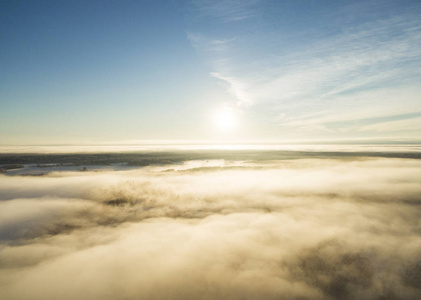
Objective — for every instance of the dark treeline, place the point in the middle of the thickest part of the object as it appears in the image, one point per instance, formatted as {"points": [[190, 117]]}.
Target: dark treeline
{"points": [[158, 157]]}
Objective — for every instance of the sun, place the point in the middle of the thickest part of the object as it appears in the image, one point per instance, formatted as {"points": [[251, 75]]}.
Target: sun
{"points": [[225, 119]]}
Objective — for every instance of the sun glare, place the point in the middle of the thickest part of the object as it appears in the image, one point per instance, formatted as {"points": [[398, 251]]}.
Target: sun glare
{"points": [[225, 119]]}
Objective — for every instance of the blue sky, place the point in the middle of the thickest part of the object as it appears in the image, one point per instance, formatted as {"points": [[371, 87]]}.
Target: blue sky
{"points": [[126, 71]]}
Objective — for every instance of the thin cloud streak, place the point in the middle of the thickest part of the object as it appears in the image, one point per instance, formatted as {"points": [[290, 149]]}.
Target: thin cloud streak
{"points": [[225, 11], [328, 75]]}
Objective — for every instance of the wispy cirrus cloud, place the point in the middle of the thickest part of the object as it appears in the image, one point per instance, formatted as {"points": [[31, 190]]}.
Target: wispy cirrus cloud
{"points": [[350, 72], [226, 11]]}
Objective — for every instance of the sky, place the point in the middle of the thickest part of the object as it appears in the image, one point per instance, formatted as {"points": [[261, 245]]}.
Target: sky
{"points": [[89, 72]]}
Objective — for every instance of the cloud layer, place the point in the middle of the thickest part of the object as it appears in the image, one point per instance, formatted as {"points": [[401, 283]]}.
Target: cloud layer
{"points": [[297, 229]]}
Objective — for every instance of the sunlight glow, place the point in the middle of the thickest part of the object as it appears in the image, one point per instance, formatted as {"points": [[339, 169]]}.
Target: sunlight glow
{"points": [[225, 119]]}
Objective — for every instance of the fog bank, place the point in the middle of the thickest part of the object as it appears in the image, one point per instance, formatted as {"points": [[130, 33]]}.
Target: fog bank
{"points": [[297, 229]]}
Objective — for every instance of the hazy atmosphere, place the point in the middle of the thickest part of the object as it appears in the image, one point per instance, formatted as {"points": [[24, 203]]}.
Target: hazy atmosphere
{"points": [[199, 149]]}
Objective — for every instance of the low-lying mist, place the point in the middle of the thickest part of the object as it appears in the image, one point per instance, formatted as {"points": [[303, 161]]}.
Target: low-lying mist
{"points": [[345, 228]]}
